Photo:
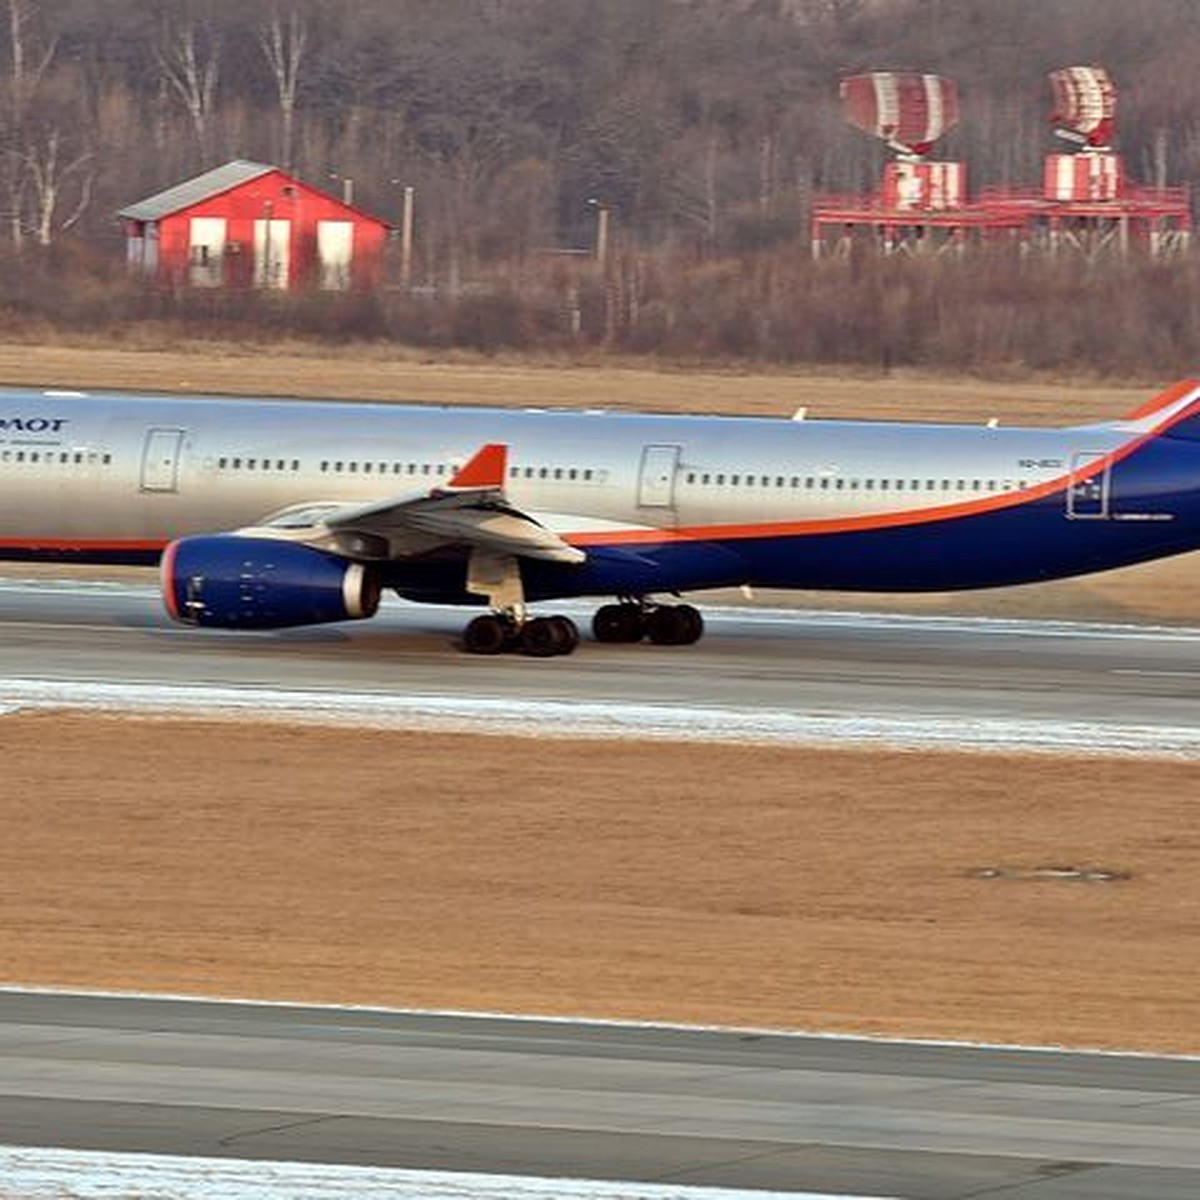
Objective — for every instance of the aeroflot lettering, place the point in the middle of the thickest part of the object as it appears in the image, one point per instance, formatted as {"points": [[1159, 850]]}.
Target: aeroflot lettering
{"points": [[32, 424]]}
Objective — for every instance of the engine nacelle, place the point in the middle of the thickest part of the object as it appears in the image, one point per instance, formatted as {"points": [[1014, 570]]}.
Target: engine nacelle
{"points": [[229, 582]]}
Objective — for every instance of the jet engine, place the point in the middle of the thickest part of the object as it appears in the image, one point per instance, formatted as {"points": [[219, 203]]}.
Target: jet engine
{"points": [[225, 581]]}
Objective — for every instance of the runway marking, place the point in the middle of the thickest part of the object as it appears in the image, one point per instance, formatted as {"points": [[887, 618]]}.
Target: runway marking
{"points": [[606, 719], [51, 1174], [1156, 674]]}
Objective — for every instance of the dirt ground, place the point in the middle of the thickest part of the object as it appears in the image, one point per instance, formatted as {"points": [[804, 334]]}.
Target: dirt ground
{"points": [[803, 888]]}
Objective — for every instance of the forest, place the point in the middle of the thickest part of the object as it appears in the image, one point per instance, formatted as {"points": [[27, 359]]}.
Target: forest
{"points": [[703, 128]]}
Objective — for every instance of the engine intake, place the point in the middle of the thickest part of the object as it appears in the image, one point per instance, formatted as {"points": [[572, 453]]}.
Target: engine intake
{"points": [[228, 582]]}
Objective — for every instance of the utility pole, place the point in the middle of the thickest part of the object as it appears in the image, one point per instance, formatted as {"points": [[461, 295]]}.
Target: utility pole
{"points": [[406, 236], [602, 222]]}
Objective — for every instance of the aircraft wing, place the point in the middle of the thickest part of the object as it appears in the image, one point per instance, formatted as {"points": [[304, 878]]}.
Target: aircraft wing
{"points": [[470, 511]]}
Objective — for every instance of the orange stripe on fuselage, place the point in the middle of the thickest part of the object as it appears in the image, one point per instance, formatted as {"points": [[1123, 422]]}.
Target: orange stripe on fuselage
{"points": [[79, 545], [1164, 399], [888, 520]]}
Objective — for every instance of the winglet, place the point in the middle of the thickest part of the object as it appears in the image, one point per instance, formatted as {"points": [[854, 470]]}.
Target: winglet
{"points": [[485, 470]]}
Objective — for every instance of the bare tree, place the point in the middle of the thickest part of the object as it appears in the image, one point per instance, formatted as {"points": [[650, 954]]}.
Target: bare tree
{"points": [[50, 173], [283, 40], [31, 54], [189, 59]]}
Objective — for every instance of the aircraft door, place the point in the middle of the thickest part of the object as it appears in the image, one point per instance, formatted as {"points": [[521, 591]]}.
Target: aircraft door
{"points": [[656, 482], [160, 460], [1088, 493]]}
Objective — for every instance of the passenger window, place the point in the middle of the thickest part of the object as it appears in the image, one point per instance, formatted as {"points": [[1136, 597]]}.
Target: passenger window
{"points": [[237, 464], [587, 473], [366, 468], [558, 473], [720, 480], [734, 480]]}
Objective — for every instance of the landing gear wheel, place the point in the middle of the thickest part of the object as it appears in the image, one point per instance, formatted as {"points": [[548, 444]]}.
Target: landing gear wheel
{"points": [[693, 624], [569, 631], [674, 625], [544, 637], [618, 623], [487, 635]]}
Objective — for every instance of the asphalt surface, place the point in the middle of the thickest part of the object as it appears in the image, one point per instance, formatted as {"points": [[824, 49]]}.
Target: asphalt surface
{"points": [[587, 1101], [727, 1109], [953, 669]]}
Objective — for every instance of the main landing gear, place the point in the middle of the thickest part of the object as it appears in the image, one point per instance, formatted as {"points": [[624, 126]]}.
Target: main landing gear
{"points": [[662, 624], [541, 637], [545, 637]]}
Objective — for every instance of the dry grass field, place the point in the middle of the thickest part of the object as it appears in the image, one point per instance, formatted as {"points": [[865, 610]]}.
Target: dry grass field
{"points": [[755, 886]]}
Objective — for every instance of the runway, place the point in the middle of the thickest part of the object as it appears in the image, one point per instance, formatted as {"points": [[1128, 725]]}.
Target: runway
{"points": [[533, 1097], [758, 674]]}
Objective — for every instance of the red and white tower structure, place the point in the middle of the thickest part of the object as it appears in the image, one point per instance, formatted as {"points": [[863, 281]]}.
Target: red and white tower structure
{"points": [[1085, 203]]}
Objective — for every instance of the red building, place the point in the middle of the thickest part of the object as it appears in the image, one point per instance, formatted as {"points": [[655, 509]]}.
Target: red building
{"points": [[250, 225]]}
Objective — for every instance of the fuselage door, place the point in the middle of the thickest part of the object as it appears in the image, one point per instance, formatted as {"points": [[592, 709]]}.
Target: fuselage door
{"points": [[160, 460], [1088, 493], [656, 483]]}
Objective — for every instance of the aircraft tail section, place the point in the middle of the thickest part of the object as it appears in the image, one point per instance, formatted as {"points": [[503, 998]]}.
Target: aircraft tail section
{"points": [[1174, 412]]}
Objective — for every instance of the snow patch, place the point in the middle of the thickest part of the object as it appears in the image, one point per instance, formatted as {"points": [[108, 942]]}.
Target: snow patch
{"points": [[41, 1174], [607, 719]]}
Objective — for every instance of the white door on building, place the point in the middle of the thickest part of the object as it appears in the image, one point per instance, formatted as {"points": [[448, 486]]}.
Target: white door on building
{"points": [[272, 249], [335, 243], [206, 251]]}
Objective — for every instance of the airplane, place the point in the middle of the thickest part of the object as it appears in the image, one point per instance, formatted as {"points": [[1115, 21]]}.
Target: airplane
{"points": [[265, 514]]}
